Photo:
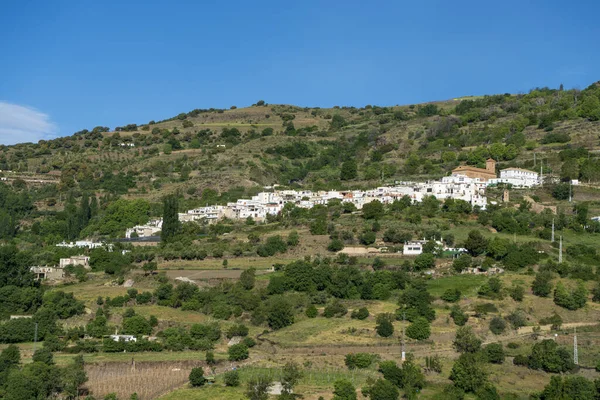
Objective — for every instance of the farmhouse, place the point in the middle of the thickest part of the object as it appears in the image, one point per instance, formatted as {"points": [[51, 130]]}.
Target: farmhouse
{"points": [[84, 261], [46, 272]]}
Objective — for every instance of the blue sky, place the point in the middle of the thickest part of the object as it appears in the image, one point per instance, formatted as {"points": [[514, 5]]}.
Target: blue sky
{"points": [[69, 65]]}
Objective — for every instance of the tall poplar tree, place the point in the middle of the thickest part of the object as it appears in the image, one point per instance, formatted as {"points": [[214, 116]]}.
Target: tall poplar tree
{"points": [[170, 225]]}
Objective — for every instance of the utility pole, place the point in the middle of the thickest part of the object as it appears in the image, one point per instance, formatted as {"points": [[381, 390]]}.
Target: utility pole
{"points": [[570, 191], [552, 230], [403, 344], [541, 174], [534, 163], [575, 353], [560, 250]]}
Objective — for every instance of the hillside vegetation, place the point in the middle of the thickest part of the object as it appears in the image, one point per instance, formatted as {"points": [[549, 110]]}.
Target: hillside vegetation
{"points": [[278, 299]]}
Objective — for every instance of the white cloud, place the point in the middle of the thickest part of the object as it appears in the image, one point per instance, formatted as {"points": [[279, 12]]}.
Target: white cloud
{"points": [[20, 124]]}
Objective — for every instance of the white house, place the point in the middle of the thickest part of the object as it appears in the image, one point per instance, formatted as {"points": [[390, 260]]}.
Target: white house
{"points": [[123, 338], [517, 177], [413, 248], [150, 229]]}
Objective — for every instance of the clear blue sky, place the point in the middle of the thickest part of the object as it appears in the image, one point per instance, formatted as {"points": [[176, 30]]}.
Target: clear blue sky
{"points": [[69, 65]]}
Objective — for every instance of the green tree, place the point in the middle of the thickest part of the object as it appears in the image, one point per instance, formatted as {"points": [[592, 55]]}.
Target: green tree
{"points": [[197, 377], [258, 388], [460, 318], [247, 278], [73, 377], [561, 191], [311, 311], [548, 356], [424, 262], [476, 243], [542, 284], [136, 325], [497, 325], [382, 389], [384, 326], [468, 373], [335, 245], [279, 313], [373, 210], [337, 122], [237, 352], [349, 170], [569, 387], [494, 353], [590, 108], [466, 341], [419, 329], [43, 355], [344, 390], [171, 225], [290, 377]]}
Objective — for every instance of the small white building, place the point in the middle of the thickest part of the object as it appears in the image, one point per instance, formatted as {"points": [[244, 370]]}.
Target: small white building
{"points": [[517, 177], [150, 229], [123, 338], [413, 248]]}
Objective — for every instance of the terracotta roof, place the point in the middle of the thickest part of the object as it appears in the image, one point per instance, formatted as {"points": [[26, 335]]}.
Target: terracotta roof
{"points": [[470, 168]]}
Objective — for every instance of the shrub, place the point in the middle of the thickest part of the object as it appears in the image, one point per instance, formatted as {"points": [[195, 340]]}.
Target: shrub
{"points": [[517, 319], [237, 330], [451, 295], [497, 325], [517, 292], [210, 358], [466, 341], [335, 245], [419, 329], [384, 327], [311, 311], [460, 318], [280, 313], [467, 373], [197, 377], [494, 353], [335, 309], [238, 352], [343, 390], [232, 378], [361, 313], [360, 360], [548, 356], [520, 359]]}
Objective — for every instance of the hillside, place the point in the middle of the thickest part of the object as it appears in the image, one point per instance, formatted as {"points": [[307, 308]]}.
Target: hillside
{"points": [[317, 299], [305, 147]]}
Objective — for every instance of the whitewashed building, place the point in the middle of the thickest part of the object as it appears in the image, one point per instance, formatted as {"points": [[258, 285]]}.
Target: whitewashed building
{"points": [[518, 177], [150, 229], [413, 248]]}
